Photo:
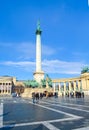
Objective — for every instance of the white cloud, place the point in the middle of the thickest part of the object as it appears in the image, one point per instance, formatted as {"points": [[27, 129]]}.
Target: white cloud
{"points": [[62, 67], [49, 66], [25, 65]]}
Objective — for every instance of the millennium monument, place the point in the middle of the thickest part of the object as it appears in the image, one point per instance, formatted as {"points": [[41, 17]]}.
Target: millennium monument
{"points": [[62, 86], [38, 74]]}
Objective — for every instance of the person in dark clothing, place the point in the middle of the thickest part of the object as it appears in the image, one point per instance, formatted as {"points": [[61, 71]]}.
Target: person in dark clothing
{"points": [[41, 95], [82, 94], [33, 97], [37, 97]]}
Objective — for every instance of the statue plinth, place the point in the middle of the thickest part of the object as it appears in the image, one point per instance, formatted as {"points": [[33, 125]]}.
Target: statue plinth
{"points": [[38, 76]]}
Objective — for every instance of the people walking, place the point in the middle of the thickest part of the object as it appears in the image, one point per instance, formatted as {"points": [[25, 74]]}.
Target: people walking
{"points": [[33, 97], [37, 97]]}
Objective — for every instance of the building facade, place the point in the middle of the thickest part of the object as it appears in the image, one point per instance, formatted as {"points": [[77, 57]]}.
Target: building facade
{"points": [[68, 85], [6, 85]]}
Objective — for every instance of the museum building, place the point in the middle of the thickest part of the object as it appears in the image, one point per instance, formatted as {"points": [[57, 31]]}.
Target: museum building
{"points": [[6, 85]]}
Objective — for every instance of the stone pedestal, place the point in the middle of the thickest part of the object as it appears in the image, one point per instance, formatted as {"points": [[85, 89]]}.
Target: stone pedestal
{"points": [[28, 91], [38, 76]]}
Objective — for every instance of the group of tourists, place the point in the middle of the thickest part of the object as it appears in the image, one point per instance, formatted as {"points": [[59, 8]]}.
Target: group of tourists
{"points": [[79, 94], [76, 94], [37, 95]]}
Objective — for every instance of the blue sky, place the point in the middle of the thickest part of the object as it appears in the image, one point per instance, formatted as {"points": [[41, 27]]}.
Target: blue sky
{"points": [[65, 37]]}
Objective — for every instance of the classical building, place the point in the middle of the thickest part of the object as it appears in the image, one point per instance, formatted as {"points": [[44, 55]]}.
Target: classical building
{"points": [[68, 85], [6, 85], [9, 85]]}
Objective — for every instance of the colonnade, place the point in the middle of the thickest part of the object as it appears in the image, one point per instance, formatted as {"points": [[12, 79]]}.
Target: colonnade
{"points": [[63, 86]]}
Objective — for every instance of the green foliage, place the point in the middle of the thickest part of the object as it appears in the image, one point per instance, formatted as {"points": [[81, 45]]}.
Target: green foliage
{"points": [[31, 83], [85, 69]]}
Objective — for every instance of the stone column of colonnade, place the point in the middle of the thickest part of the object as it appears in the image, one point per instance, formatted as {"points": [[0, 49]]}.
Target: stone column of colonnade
{"points": [[69, 86], [54, 87], [2, 89], [74, 86], [59, 88], [64, 88]]}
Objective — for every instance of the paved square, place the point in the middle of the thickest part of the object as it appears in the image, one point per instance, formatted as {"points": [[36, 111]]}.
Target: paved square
{"points": [[48, 114]]}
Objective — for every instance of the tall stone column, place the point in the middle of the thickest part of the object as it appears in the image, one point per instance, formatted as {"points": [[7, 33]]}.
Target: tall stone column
{"points": [[38, 50], [39, 74]]}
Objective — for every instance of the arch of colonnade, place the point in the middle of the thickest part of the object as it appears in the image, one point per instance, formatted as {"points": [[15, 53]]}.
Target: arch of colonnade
{"points": [[68, 85]]}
